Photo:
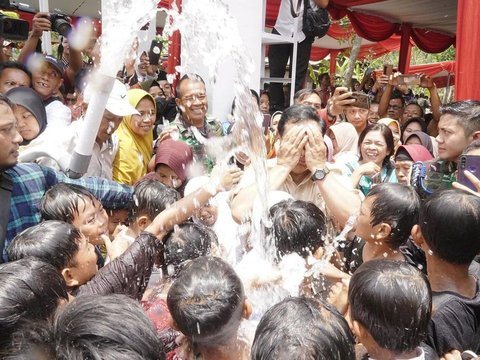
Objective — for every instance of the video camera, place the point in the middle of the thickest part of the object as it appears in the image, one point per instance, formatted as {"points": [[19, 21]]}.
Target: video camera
{"points": [[11, 26]]}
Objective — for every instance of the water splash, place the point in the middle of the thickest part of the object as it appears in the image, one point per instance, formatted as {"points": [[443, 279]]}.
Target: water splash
{"points": [[211, 34]]}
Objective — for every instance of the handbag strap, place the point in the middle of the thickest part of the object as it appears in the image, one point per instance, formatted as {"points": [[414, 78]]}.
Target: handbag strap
{"points": [[292, 11], [6, 188]]}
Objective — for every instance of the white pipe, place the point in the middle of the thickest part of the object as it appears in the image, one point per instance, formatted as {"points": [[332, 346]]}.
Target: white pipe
{"points": [[101, 87], [46, 36]]}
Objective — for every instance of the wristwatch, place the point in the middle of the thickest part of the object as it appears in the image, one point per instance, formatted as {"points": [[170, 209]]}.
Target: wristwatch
{"points": [[320, 174]]}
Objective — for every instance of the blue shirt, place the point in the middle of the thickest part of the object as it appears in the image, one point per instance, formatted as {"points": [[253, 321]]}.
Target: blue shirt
{"points": [[31, 181]]}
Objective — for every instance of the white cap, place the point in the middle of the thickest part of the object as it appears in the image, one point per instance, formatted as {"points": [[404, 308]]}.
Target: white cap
{"points": [[117, 102]]}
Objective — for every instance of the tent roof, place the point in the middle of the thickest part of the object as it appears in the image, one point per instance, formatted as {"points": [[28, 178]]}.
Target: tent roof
{"points": [[436, 15]]}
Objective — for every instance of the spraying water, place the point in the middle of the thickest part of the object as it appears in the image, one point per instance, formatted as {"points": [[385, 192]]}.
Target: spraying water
{"points": [[211, 34], [121, 20]]}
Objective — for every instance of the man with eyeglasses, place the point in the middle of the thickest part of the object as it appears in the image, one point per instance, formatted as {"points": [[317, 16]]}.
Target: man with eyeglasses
{"points": [[47, 78], [192, 125]]}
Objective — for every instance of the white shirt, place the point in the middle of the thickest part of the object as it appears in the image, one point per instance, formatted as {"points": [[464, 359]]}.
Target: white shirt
{"points": [[60, 146], [286, 24], [58, 116], [420, 355]]}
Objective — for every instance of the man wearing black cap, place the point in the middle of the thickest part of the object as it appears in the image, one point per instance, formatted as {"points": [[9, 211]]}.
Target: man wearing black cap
{"points": [[47, 78]]}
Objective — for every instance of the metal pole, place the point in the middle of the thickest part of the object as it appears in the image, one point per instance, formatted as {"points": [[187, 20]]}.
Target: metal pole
{"points": [[46, 36]]}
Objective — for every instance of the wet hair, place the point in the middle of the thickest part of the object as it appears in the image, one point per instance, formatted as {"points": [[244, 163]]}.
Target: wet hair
{"points": [[303, 329], [300, 95], [298, 113], [392, 300], [62, 201], [387, 135], [298, 226], [189, 76], [150, 198], [398, 206], [15, 65], [105, 327], [206, 301], [467, 113], [450, 230], [474, 145], [30, 290], [54, 242], [422, 113], [418, 120], [186, 242]]}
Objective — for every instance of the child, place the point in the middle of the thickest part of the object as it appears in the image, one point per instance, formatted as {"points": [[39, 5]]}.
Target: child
{"points": [[30, 290], [128, 273], [150, 199], [386, 218], [207, 303], [301, 328], [77, 206], [91, 327], [447, 232], [390, 307]]}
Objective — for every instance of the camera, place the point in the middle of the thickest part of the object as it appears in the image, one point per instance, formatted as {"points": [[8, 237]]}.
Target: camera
{"points": [[60, 23], [11, 26]]}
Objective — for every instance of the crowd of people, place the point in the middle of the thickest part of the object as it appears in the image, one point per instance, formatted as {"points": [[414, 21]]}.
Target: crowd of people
{"points": [[370, 249]]}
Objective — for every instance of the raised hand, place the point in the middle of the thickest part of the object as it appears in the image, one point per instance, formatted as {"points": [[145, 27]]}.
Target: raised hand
{"points": [[339, 101]]}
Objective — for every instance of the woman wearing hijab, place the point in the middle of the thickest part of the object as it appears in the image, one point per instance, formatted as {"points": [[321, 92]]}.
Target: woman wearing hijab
{"points": [[394, 126], [135, 135], [29, 112], [344, 138], [405, 156], [420, 138]]}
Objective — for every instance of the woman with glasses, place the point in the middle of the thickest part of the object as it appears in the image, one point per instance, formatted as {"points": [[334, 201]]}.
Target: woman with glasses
{"points": [[135, 135]]}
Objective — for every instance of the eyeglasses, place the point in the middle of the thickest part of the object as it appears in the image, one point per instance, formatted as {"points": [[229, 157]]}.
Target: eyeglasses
{"points": [[192, 98], [316, 106]]}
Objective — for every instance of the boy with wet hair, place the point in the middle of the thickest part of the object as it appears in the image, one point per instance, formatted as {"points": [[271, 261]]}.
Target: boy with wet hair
{"points": [[126, 274], [76, 205], [207, 303], [447, 232], [298, 226], [390, 307], [88, 328], [302, 329]]}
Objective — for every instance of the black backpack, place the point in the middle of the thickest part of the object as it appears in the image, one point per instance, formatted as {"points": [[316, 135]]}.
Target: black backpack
{"points": [[315, 22]]}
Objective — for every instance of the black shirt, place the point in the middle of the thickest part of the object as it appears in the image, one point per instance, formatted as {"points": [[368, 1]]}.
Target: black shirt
{"points": [[455, 322]]}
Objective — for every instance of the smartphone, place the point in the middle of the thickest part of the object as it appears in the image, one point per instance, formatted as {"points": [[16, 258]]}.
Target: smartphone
{"points": [[409, 79], [472, 164], [387, 69], [266, 123], [362, 100], [155, 51]]}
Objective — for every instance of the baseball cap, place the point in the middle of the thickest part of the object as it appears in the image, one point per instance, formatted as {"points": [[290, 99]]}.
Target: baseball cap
{"points": [[117, 102], [58, 65]]}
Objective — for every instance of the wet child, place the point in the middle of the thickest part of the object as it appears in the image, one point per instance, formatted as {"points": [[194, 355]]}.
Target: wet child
{"points": [[61, 243], [301, 328], [207, 304], [447, 232], [386, 218], [390, 307]]}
